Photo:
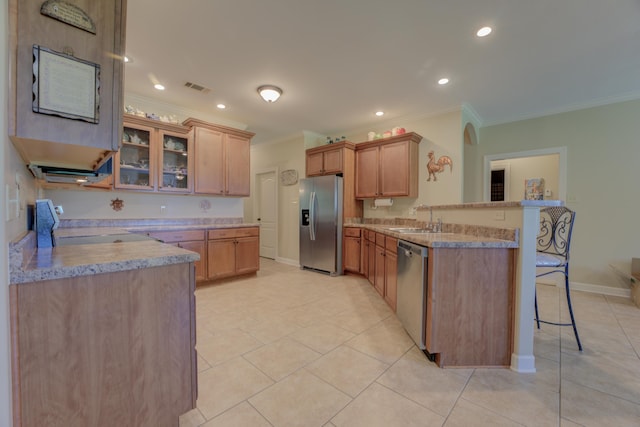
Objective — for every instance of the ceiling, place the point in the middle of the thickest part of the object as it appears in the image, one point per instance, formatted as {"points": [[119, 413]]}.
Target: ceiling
{"points": [[340, 61]]}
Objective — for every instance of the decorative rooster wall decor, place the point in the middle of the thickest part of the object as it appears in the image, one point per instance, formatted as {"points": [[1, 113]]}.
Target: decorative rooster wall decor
{"points": [[434, 166]]}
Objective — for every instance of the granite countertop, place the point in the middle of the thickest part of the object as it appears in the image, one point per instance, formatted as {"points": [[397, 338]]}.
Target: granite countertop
{"points": [[452, 237], [81, 260], [30, 264]]}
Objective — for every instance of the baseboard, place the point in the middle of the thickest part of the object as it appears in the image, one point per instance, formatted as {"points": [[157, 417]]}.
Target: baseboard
{"points": [[292, 262], [602, 290]]}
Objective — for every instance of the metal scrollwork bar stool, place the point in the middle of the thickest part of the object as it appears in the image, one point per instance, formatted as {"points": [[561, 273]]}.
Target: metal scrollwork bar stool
{"points": [[553, 243]]}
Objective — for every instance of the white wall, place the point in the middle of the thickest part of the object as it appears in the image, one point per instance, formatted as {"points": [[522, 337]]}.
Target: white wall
{"points": [[602, 179], [444, 135], [83, 204], [282, 156]]}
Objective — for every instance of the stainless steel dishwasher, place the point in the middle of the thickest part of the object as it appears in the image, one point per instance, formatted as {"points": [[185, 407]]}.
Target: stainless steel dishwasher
{"points": [[411, 305]]}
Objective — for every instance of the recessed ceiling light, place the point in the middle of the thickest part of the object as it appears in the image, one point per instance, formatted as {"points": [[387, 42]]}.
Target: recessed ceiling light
{"points": [[484, 31], [221, 106], [379, 113], [158, 86], [443, 81]]}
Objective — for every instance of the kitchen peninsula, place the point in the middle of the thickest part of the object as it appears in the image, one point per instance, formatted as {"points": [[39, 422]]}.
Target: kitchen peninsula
{"points": [[104, 333], [486, 225]]}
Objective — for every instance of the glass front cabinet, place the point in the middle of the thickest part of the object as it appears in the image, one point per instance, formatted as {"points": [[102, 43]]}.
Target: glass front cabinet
{"points": [[154, 156]]}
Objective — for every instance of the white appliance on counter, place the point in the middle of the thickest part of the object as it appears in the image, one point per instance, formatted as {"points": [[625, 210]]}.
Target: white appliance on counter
{"points": [[321, 224]]}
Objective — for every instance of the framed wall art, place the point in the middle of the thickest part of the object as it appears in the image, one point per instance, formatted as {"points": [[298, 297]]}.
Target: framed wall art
{"points": [[65, 86]]}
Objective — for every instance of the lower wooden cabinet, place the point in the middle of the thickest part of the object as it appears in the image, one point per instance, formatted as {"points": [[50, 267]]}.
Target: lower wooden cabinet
{"points": [[191, 240], [110, 349], [224, 252], [391, 272], [371, 270], [386, 269], [352, 253], [232, 251], [474, 287]]}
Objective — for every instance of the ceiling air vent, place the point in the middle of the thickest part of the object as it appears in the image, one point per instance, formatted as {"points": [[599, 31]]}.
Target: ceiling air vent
{"points": [[197, 87]]}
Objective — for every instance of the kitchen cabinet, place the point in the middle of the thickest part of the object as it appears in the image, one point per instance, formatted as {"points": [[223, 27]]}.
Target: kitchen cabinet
{"points": [[391, 272], [221, 159], [470, 306], [371, 274], [352, 252], [110, 349], [46, 138], [327, 159], [337, 159], [387, 167], [364, 254], [232, 252], [385, 276], [191, 240], [154, 156]]}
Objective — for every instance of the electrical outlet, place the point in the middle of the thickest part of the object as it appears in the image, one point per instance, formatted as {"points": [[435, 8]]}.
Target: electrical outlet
{"points": [[498, 215], [163, 209]]}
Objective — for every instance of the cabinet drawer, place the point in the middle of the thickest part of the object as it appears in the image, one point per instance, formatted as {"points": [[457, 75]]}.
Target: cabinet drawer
{"points": [[228, 233], [380, 239], [390, 243], [177, 236], [371, 236], [352, 232]]}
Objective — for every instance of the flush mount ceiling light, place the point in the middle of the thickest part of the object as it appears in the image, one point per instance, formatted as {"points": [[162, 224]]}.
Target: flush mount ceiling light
{"points": [[443, 81], [379, 113], [158, 86], [484, 31], [270, 93]]}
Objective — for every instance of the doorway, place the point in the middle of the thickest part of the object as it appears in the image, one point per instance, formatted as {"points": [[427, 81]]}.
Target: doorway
{"points": [[555, 160], [267, 212]]}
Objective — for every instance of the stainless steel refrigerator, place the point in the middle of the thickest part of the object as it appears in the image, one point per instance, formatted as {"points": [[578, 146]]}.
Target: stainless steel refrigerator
{"points": [[321, 224]]}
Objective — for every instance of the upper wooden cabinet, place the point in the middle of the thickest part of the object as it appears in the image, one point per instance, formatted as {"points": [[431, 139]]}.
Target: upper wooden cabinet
{"points": [[337, 159], [155, 156], [327, 159], [222, 159], [45, 138], [388, 167]]}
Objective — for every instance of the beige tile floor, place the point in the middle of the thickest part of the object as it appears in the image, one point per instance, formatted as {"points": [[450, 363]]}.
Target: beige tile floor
{"points": [[295, 348]]}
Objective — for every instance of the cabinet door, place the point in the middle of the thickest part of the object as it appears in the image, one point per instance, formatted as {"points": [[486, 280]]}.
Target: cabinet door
{"points": [[394, 169], [378, 281], [105, 47], [209, 172], [237, 166], [221, 258], [196, 246], [367, 173], [175, 171], [364, 259], [372, 259], [391, 278], [352, 254], [135, 160], [247, 255], [332, 162], [314, 164]]}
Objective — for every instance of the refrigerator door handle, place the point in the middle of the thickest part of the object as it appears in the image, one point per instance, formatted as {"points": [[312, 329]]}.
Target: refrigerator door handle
{"points": [[312, 216]]}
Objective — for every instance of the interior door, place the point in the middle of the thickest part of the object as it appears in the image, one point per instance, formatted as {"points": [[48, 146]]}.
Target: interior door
{"points": [[267, 213]]}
